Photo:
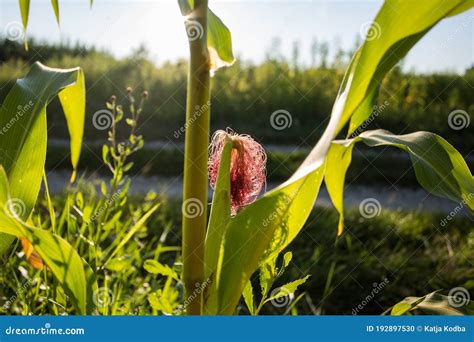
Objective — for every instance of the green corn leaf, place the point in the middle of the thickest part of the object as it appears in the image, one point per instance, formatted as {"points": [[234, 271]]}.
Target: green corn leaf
{"points": [[219, 43], [23, 129], [5, 241], [264, 228], [73, 101], [260, 231], [220, 211], [25, 11], [55, 4], [60, 257], [338, 160], [438, 166], [91, 288], [219, 38], [389, 39], [435, 304], [218, 219]]}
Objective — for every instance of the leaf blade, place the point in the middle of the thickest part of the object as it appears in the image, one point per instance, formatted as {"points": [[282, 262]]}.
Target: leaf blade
{"points": [[23, 133], [219, 37], [434, 304], [55, 5], [63, 260], [219, 217], [25, 13], [73, 101], [219, 42], [439, 168]]}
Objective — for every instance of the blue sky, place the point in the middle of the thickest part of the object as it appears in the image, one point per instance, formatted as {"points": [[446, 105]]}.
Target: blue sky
{"points": [[121, 25]]}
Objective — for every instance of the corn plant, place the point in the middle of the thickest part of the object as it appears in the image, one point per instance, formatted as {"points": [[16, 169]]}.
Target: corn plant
{"points": [[23, 121], [237, 243], [242, 233]]}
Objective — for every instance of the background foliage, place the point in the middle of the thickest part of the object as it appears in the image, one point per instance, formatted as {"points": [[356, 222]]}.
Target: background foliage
{"points": [[246, 95]]}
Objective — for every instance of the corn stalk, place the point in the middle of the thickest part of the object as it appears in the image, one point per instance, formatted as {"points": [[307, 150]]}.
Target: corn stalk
{"points": [[195, 157]]}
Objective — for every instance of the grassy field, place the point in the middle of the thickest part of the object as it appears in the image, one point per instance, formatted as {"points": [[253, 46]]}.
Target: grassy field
{"points": [[399, 253]]}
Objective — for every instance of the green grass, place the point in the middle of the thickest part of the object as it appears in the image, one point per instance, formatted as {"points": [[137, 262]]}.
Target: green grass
{"points": [[412, 251]]}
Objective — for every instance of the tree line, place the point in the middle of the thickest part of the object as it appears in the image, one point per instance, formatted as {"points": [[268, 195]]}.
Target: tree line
{"points": [[246, 95]]}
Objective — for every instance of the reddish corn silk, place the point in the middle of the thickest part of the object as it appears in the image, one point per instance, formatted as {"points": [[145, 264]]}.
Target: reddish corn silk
{"points": [[247, 167]]}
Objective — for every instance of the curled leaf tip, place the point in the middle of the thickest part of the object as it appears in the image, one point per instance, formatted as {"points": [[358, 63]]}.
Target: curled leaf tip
{"points": [[247, 167]]}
